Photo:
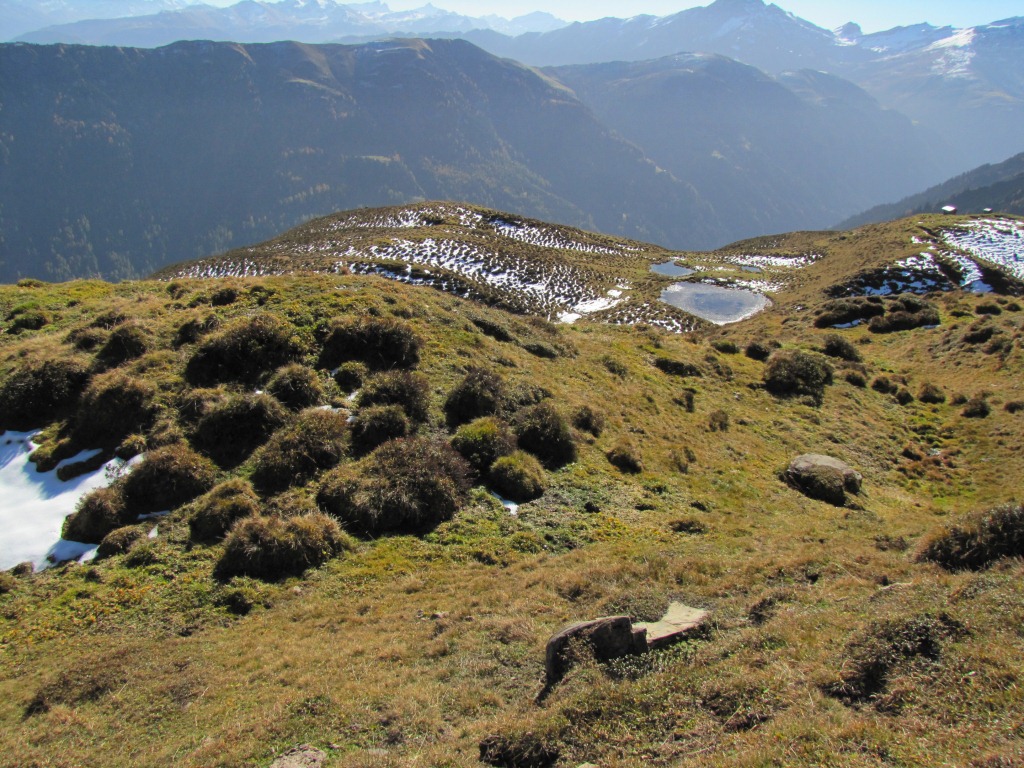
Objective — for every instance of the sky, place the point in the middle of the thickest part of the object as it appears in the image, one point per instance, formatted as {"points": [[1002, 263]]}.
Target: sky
{"points": [[872, 15]]}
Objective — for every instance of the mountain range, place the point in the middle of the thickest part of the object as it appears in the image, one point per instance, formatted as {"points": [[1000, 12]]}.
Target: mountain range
{"points": [[118, 161]]}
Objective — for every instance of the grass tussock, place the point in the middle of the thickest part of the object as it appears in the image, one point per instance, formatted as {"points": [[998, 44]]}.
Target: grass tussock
{"points": [[792, 373], [296, 386], [215, 513], [978, 540], [380, 343], [41, 391], [408, 390], [272, 548], [228, 431], [483, 441], [114, 406], [518, 476], [244, 351], [480, 393], [372, 427], [297, 453], [543, 431], [167, 478]]}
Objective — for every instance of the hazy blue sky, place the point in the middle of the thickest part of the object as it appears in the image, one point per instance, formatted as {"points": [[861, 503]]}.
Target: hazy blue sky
{"points": [[873, 15]]}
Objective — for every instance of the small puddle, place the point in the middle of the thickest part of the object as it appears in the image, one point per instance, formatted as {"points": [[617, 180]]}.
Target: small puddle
{"points": [[671, 269], [714, 303]]}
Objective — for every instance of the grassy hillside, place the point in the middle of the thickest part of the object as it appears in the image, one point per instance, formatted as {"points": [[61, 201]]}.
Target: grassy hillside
{"points": [[417, 631]]}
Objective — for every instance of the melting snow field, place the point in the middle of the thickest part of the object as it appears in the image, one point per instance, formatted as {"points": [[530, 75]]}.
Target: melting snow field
{"points": [[998, 242], [33, 504]]}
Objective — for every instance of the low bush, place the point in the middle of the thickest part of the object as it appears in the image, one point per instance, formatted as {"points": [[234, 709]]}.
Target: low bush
{"points": [[625, 456], [374, 426], [97, 514], [856, 379], [979, 333], [350, 376], [794, 373], [214, 513], [587, 419], [126, 342], [543, 431], [295, 454], [273, 548], [484, 441], [976, 408], [677, 367], [296, 386], [518, 476], [988, 308], [409, 485], [409, 391], [231, 430], [931, 394], [120, 540], [758, 350], [847, 311], [480, 393], [978, 540], [244, 351], [542, 350], [904, 396], [901, 320], [838, 347], [885, 385], [114, 406], [380, 343], [167, 478], [40, 392]]}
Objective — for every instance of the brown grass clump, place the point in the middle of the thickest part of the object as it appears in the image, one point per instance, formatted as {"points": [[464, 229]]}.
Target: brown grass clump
{"points": [[119, 541], [480, 393], [126, 342], [484, 441], [97, 514], [518, 476], [374, 426], [408, 485], [166, 479], [214, 513], [978, 540], [587, 419], [758, 350], [518, 750], [543, 431], [838, 347], [296, 386], [244, 351], [409, 391], [229, 431], [625, 456], [380, 343], [114, 406], [272, 548], [40, 392], [295, 454], [976, 408], [350, 376], [931, 394]]}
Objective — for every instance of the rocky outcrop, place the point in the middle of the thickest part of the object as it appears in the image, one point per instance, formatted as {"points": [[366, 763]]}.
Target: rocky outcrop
{"points": [[823, 478]]}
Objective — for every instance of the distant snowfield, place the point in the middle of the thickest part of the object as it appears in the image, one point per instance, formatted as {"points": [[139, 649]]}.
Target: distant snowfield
{"points": [[33, 504]]}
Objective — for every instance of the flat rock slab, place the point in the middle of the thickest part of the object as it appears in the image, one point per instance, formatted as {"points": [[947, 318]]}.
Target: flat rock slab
{"points": [[302, 756], [679, 621]]}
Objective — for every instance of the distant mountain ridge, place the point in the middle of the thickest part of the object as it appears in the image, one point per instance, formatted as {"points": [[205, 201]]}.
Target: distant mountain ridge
{"points": [[999, 187], [260, 21]]}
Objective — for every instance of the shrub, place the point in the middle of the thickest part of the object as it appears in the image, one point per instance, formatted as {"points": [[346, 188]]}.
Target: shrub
{"points": [[167, 478], [856, 379], [410, 391], [676, 367], [793, 373], [976, 408], [372, 427], [229, 431], [480, 393], [96, 515], [758, 350], [114, 405], [381, 343], [931, 394], [409, 485], [296, 453], [126, 342], [296, 386], [847, 311], [902, 320], [484, 441], [903, 396], [350, 376], [271, 548], [586, 419], [838, 347], [718, 421], [625, 456], [1014, 406], [40, 392], [244, 351], [518, 476], [543, 431], [726, 347], [214, 513], [224, 296], [884, 385], [978, 540], [988, 308], [119, 541]]}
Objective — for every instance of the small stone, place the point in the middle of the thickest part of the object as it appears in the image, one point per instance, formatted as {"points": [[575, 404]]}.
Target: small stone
{"points": [[302, 756]]}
